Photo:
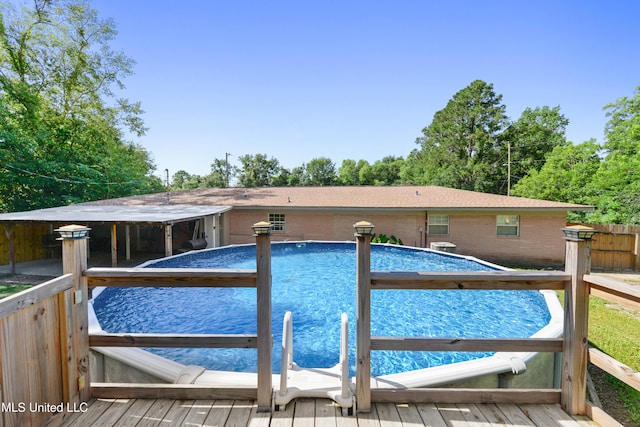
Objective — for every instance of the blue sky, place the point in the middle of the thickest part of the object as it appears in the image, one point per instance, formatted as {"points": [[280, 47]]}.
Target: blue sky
{"points": [[359, 80]]}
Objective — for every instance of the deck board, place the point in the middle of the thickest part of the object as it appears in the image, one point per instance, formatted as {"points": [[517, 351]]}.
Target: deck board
{"points": [[198, 412], [156, 413], [325, 413], [318, 412], [388, 414], [219, 413], [430, 415], [135, 413], [240, 414], [493, 415], [304, 413], [409, 415]]}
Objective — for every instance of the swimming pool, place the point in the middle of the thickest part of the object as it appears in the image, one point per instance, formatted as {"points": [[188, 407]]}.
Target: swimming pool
{"points": [[316, 282]]}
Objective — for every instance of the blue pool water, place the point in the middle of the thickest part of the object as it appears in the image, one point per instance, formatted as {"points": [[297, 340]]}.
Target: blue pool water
{"points": [[316, 282]]}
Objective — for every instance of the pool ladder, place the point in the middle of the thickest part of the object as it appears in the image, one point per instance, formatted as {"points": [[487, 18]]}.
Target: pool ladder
{"points": [[295, 381]]}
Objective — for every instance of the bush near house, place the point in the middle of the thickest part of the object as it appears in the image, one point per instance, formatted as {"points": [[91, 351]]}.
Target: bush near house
{"points": [[382, 238]]}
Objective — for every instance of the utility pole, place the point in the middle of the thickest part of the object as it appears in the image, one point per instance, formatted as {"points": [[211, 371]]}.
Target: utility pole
{"points": [[167, 184], [508, 168], [226, 162]]}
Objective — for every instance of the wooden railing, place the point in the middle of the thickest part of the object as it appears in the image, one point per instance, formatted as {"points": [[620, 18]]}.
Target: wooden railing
{"points": [[259, 278], [45, 341], [44, 359], [575, 281], [626, 296], [37, 340], [503, 280], [165, 277]]}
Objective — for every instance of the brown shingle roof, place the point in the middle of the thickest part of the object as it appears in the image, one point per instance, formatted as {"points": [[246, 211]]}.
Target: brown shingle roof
{"points": [[367, 197]]}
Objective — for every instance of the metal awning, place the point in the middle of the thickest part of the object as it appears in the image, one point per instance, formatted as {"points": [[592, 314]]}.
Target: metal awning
{"points": [[164, 215], [84, 213]]}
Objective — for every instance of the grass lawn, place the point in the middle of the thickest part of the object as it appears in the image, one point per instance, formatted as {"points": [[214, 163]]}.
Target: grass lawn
{"points": [[617, 332], [6, 290]]}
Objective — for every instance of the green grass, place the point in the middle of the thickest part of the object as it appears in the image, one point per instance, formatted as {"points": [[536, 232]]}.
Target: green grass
{"points": [[616, 332], [6, 290]]}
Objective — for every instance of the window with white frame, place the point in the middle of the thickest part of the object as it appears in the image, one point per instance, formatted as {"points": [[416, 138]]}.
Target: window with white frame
{"points": [[508, 225], [277, 221], [438, 225]]}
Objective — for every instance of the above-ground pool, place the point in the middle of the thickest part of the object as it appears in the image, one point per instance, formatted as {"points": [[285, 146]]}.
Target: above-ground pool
{"points": [[317, 282]]}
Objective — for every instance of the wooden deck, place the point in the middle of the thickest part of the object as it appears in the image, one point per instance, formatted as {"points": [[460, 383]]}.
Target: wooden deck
{"points": [[315, 412]]}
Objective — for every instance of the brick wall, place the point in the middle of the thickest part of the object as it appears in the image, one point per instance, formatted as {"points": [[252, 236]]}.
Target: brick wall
{"points": [[305, 225], [474, 233], [540, 241]]}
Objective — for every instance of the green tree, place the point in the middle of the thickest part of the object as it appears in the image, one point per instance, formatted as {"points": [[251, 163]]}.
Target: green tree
{"points": [[529, 139], [222, 174], [297, 176], [183, 180], [257, 170], [460, 148], [365, 175], [281, 179], [616, 185], [387, 171], [61, 128], [320, 171], [565, 176], [349, 171]]}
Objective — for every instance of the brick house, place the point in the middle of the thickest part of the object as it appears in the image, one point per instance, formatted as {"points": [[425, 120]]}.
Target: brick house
{"points": [[502, 229]]}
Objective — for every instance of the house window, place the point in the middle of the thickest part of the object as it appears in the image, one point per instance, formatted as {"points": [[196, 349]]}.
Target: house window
{"points": [[277, 222], [508, 225], [438, 225]]}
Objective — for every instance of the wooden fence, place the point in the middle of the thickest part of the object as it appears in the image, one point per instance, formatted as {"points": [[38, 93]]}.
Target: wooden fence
{"points": [[615, 247], [37, 339], [28, 242]]}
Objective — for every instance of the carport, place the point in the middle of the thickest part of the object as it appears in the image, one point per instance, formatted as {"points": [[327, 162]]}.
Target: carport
{"points": [[207, 220]]}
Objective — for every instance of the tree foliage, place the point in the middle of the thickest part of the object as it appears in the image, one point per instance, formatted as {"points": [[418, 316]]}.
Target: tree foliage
{"points": [[348, 172], [529, 140], [319, 172], [61, 141], [459, 149], [257, 170], [472, 145], [565, 176], [616, 185], [607, 176]]}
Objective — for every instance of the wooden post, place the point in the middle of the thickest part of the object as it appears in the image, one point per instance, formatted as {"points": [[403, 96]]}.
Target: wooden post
{"points": [[363, 316], [636, 252], [74, 261], [168, 240], [262, 233], [114, 245], [8, 230], [576, 311], [127, 242]]}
